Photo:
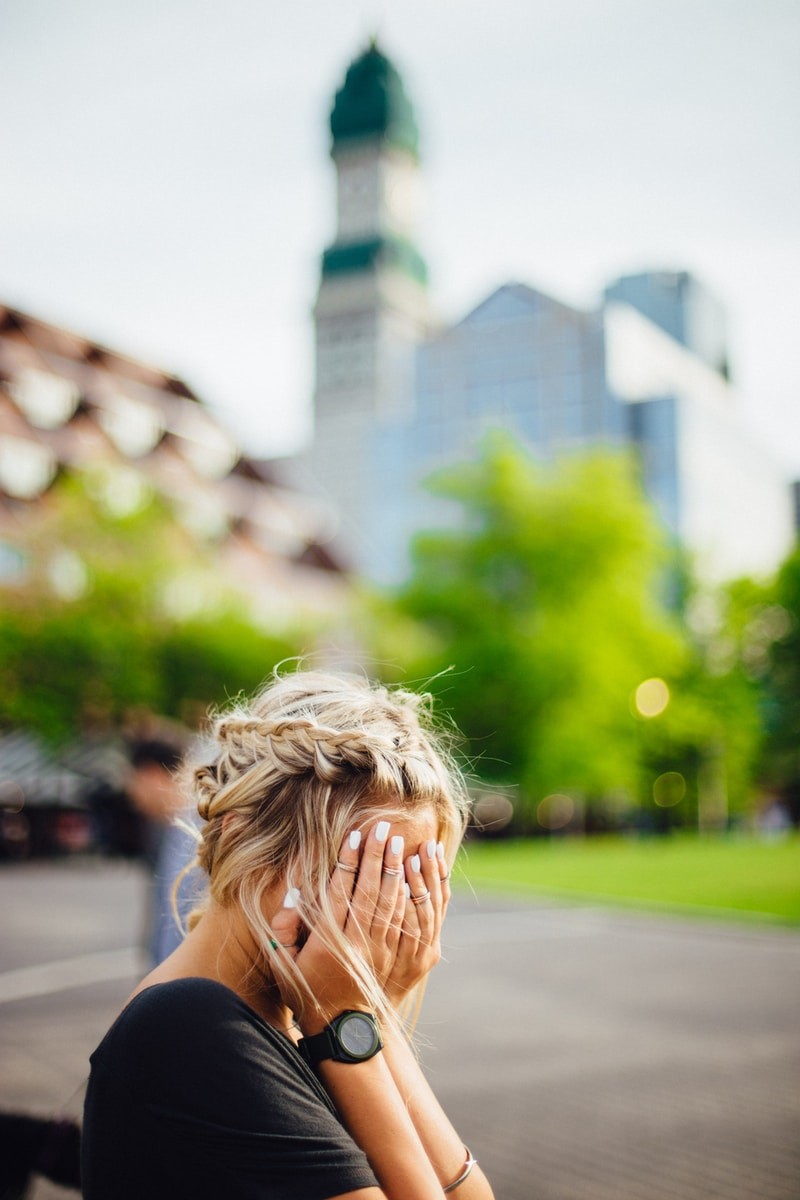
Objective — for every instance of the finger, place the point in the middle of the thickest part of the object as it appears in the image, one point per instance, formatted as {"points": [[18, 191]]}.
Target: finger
{"points": [[444, 874], [420, 896], [430, 873], [410, 927], [392, 876], [399, 910], [286, 926], [409, 941], [392, 899], [344, 875], [370, 875]]}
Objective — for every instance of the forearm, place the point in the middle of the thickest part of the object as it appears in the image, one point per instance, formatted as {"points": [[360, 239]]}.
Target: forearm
{"points": [[373, 1110], [443, 1146]]}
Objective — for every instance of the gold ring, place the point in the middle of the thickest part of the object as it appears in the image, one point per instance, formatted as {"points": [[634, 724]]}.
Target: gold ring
{"points": [[421, 899], [346, 867]]}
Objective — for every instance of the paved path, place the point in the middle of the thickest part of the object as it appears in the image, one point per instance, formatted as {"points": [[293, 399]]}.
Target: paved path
{"points": [[584, 1054]]}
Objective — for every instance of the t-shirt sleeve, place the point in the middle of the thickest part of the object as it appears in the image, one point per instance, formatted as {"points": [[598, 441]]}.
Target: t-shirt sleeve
{"points": [[229, 1101]]}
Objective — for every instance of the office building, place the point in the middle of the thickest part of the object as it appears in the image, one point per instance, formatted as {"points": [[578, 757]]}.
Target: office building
{"points": [[398, 396]]}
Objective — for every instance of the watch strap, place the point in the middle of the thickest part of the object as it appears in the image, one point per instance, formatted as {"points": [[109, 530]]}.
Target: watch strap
{"points": [[317, 1048]]}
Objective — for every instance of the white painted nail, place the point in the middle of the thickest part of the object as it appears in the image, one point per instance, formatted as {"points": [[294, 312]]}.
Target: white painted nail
{"points": [[440, 852], [382, 831], [415, 862], [292, 896], [431, 849], [355, 839], [397, 844], [408, 890]]}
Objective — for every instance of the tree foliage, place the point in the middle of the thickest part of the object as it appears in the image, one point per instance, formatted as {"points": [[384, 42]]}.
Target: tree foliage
{"points": [[779, 634], [93, 632], [553, 596]]}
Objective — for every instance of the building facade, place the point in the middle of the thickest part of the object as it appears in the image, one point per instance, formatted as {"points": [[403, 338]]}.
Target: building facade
{"points": [[398, 396], [130, 431]]}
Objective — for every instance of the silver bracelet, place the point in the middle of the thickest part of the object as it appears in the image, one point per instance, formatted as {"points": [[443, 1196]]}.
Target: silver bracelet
{"points": [[467, 1171]]}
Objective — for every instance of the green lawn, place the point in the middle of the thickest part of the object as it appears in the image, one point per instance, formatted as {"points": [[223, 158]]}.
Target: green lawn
{"points": [[723, 877]]}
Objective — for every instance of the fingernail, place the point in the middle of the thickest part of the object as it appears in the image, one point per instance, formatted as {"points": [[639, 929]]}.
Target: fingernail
{"points": [[397, 844], [431, 849], [355, 839], [408, 891], [440, 852], [292, 897], [382, 831], [415, 862]]}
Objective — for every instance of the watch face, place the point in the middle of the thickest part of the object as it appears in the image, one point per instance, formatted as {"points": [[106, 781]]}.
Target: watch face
{"points": [[358, 1035]]}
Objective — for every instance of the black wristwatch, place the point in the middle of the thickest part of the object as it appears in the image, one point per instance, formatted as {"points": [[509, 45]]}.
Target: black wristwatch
{"points": [[352, 1037]]}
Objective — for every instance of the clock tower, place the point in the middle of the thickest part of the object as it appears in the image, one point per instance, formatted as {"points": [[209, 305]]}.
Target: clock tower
{"points": [[372, 308]]}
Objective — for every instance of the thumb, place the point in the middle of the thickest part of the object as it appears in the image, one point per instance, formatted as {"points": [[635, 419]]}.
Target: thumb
{"points": [[286, 925]]}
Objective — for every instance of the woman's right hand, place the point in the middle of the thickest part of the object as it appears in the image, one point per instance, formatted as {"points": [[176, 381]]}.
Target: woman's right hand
{"points": [[368, 899], [420, 947]]}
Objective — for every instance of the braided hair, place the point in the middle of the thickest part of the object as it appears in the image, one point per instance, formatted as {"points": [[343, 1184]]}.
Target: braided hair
{"points": [[313, 756]]}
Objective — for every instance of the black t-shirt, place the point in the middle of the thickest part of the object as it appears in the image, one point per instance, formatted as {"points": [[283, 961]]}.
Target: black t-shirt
{"points": [[192, 1094]]}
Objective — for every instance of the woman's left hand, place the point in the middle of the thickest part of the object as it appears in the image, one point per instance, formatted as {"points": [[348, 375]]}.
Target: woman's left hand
{"points": [[420, 946]]}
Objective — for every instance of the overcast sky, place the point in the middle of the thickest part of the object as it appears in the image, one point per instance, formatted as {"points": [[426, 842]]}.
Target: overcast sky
{"points": [[165, 186]]}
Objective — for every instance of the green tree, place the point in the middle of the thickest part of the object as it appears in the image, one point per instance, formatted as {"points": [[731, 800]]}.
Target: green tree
{"points": [[711, 732], [779, 631], [94, 631], [547, 598], [553, 596]]}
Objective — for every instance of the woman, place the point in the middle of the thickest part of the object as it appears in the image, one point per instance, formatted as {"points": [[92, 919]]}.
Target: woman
{"points": [[266, 1058]]}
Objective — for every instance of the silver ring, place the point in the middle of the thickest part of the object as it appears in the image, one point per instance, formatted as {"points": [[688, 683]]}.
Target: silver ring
{"points": [[421, 899], [347, 867], [392, 871]]}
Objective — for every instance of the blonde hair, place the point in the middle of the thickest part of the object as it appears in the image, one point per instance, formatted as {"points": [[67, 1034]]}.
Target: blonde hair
{"points": [[312, 757]]}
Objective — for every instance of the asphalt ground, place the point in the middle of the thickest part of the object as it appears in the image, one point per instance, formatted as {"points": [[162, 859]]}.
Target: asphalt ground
{"points": [[583, 1053]]}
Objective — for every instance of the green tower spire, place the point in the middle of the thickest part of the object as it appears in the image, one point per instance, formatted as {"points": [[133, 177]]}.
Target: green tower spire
{"points": [[372, 103]]}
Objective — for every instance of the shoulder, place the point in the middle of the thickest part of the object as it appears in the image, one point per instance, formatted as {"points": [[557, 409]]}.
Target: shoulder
{"points": [[185, 1028], [183, 1007], [193, 1050], [199, 1001]]}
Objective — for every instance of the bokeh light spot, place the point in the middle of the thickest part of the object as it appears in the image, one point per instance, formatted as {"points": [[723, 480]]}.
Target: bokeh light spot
{"points": [[556, 811], [669, 789], [492, 812], [651, 698]]}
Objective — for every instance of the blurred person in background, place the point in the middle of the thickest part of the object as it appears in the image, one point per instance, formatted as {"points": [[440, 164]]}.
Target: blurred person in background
{"points": [[268, 1055], [167, 845]]}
